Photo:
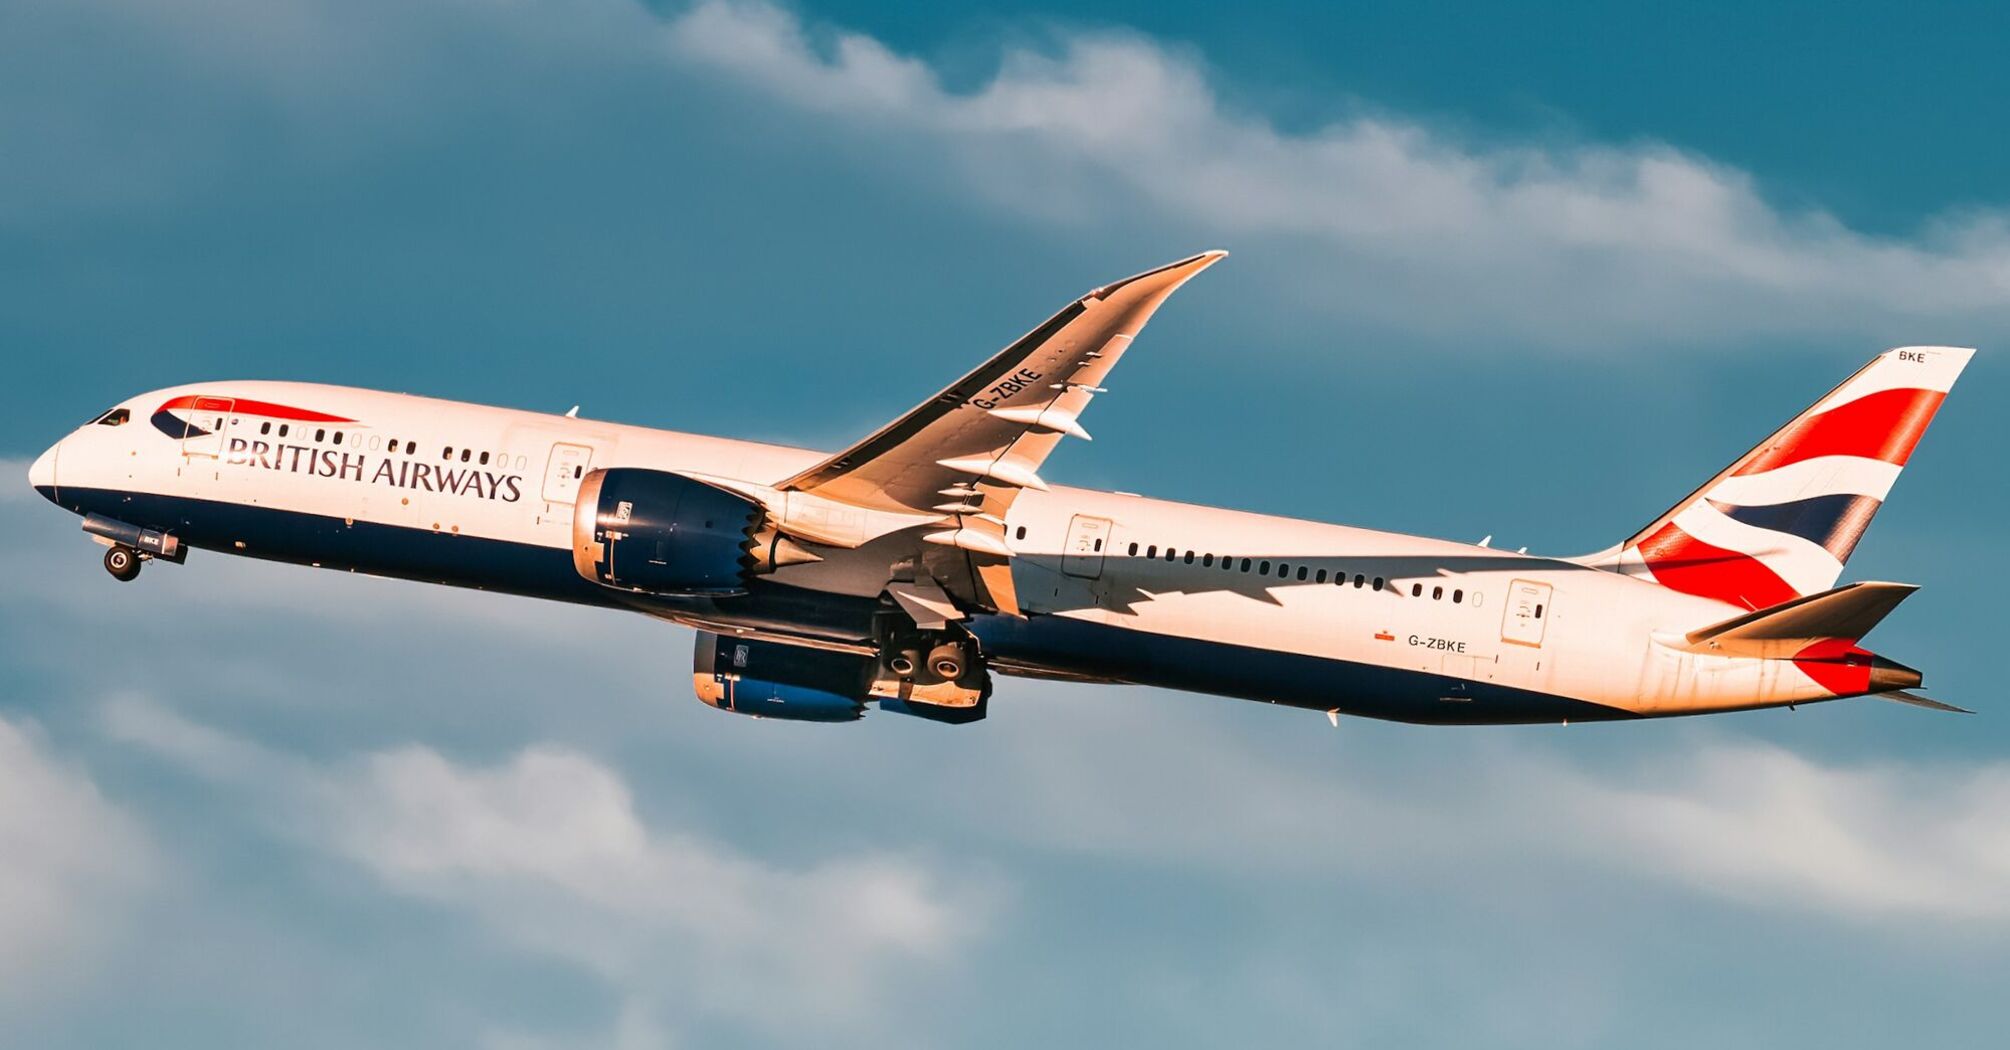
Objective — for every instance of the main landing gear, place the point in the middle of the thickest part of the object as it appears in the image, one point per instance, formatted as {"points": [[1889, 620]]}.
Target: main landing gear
{"points": [[940, 667], [123, 563]]}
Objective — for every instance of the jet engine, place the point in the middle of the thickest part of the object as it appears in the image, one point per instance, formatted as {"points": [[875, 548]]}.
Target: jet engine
{"points": [[801, 684], [663, 533]]}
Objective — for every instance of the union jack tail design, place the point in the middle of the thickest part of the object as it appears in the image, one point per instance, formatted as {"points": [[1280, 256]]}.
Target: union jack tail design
{"points": [[1781, 521]]}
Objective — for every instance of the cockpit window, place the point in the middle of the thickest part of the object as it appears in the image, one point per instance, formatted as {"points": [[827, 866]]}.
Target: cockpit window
{"points": [[116, 417]]}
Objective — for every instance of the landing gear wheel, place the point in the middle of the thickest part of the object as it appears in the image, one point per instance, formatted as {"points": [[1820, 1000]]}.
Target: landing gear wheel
{"points": [[123, 563], [946, 660]]}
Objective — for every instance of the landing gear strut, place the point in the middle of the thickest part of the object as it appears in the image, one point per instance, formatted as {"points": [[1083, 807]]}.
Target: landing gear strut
{"points": [[123, 563]]}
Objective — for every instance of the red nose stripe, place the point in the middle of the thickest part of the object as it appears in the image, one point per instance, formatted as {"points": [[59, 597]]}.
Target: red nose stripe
{"points": [[248, 407], [1684, 563], [1885, 425]]}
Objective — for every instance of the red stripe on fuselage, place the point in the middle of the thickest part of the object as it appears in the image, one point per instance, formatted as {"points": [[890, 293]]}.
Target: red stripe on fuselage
{"points": [[1885, 425], [248, 407], [1684, 563]]}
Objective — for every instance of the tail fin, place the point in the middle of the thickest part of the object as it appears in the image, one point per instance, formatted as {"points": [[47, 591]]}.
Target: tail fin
{"points": [[1781, 521]]}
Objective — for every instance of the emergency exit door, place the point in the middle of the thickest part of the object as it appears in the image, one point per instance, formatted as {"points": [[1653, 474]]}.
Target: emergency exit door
{"points": [[569, 463], [1526, 614], [1082, 554]]}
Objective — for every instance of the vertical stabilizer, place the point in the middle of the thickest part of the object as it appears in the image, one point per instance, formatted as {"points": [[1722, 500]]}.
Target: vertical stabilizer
{"points": [[1781, 521]]}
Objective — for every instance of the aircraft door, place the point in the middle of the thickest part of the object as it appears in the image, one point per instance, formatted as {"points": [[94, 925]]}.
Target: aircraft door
{"points": [[207, 418], [1086, 545], [1527, 612], [569, 463]]}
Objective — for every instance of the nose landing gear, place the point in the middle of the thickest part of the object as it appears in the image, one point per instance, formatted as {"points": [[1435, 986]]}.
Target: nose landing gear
{"points": [[123, 563]]}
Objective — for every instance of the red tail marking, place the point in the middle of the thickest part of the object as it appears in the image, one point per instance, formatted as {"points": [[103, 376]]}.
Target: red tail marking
{"points": [[1837, 665], [1885, 425], [1684, 563]]}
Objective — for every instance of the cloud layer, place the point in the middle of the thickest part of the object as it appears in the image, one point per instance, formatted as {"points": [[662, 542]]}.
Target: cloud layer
{"points": [[70, 862], [1564, 243], [1375, 219], [547, 850]]}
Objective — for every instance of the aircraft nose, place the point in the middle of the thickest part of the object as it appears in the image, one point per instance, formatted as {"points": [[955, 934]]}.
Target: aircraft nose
{"points": [[42, 474]]}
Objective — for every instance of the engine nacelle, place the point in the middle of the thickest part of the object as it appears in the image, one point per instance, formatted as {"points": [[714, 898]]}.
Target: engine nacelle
{"points": [[662, 533], [769, 680], [801, 684]]}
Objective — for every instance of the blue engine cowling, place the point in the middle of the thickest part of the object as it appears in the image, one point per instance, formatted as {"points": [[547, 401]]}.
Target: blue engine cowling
{"points": [[662, 533], [799, 684], [790, 682]]}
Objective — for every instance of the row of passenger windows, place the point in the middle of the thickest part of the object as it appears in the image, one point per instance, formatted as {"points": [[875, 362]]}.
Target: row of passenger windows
{"points": [[1285, 570], [392, 445]]}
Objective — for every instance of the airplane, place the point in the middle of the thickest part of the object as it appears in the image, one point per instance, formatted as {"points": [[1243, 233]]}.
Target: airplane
{"points": [[902, 573]]}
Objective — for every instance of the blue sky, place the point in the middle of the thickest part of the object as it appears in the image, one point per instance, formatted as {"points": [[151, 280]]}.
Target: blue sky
{"points": [[1532, 274]]}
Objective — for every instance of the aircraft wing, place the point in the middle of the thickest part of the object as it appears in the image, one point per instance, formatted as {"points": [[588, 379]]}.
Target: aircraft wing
{"points": [[967, 452]]}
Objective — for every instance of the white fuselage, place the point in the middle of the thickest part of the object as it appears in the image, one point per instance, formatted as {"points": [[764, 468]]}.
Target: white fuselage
{"points": [[1115, 587]]}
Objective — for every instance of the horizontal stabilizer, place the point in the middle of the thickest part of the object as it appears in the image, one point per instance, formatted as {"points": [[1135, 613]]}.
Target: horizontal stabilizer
{"points": [[1847, 612], [1917, 700]]}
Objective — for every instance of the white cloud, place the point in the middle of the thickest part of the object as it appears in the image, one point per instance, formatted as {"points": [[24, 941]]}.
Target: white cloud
{"points": [[1773, 828], [1879, 844], [1372, 215], [69, 860], [1377, 218], [548, 850]]}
